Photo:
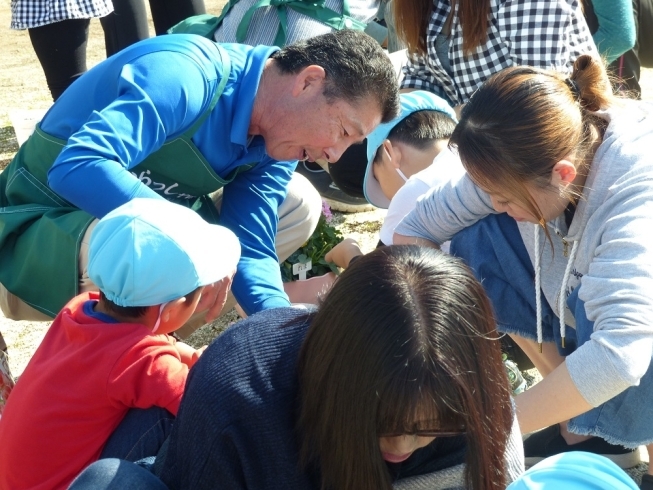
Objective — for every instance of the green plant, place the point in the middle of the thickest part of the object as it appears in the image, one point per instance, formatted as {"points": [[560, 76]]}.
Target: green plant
{"points": [[323, 239]]}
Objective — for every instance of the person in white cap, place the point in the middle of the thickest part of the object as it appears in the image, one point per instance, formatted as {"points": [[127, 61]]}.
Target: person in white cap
{"points": [[108, 353]]}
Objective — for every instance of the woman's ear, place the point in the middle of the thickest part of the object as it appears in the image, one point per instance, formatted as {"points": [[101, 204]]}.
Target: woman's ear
{"points": [[563, 174]]}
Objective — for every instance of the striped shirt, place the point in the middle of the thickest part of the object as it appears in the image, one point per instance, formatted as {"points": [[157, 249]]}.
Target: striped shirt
{"points": [[265, 22]]}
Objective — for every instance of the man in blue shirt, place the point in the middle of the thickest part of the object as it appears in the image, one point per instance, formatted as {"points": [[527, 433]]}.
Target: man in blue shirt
{"points": [[179, 117]]}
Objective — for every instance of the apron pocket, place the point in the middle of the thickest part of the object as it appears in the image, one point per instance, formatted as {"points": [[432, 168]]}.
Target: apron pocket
{"points": [[23, 188]]}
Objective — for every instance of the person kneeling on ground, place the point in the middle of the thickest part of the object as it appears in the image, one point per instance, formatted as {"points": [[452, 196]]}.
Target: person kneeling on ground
{"points": [[395, 379], [216, 127], [107, 379], [555, 216]]}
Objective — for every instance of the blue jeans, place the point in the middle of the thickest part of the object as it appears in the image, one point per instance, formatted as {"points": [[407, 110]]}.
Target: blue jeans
{"points": [[140, 434], [115, 474], [494, 249]]}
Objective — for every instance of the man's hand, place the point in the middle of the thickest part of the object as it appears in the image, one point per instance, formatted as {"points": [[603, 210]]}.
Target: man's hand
{"points": [[342, 253], [214, 296]]}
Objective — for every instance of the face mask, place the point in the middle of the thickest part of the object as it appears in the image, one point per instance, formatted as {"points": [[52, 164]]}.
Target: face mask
{"points": [[401, 174], [158, 319]]}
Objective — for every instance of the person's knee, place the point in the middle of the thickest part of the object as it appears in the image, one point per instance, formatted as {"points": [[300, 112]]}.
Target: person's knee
{"points": [[110, 474], [303, 199], [13, 308], [298, 216]]}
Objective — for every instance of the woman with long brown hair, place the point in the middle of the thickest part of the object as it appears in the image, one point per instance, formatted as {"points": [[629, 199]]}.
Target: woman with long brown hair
{"points": [[555, 216], [395, 379], [455, 45]]}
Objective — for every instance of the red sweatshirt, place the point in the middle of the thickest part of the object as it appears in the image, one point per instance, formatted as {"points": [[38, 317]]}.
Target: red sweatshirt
{"points": [[84, 377]]}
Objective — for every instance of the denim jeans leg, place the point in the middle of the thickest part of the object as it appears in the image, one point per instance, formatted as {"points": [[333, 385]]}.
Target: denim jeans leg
{"points": [[140, 434], [114, 474], [495, 251]]}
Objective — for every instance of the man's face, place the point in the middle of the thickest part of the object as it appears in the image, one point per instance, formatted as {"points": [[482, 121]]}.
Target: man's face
{"points": [[316, 130]]}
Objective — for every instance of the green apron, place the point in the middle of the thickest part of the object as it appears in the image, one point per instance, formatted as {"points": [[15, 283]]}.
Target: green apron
{"points": [[41, 233]]}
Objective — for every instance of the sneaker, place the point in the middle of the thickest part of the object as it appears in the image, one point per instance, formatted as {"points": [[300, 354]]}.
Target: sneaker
{"points": [[647, 482], [517, 382], [331, 193], [549, 441], [7, 381]]}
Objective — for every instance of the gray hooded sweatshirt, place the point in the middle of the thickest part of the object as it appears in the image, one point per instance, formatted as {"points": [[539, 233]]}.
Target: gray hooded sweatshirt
{"points": [[607, 251]]}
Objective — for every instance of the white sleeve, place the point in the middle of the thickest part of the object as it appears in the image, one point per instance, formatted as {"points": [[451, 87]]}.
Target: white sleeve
{"points": [[402, 203]]}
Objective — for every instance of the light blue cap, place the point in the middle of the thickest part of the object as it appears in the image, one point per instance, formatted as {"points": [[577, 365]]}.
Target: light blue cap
{"points": [[418, 100], [574, 470], [150, 251]]}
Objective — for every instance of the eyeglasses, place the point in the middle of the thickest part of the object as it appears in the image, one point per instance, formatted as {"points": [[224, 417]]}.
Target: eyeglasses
{"points": [[427, 433]]}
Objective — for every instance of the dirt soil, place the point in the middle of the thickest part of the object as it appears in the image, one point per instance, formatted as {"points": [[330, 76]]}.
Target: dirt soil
{"points": [[23, 87]]}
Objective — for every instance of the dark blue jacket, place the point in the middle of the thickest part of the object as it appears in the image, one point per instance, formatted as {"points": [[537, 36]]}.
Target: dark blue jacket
{"points": [[236, 424]]}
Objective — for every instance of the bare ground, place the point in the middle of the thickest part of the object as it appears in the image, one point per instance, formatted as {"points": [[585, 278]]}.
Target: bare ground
{"points": [[23, 87]]}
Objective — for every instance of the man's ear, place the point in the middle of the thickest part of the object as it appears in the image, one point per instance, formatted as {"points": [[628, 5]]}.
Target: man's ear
{"points": [[563, 173], [308, 79]]}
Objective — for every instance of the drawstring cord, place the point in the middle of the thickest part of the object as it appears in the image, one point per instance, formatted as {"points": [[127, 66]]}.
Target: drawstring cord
{"points": [[562, 296], [538, 298]]}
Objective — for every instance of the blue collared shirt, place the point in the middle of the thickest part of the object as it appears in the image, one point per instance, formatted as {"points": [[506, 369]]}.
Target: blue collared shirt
{"points": [[129, 105]]}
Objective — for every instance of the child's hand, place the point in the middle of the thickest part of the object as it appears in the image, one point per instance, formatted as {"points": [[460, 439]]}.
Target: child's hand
{"points": [[189, 356], [198, 353], [342, 253]]}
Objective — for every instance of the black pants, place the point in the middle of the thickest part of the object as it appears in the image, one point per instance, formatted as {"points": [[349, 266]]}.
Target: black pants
{"points": [[61, 47], [61, 50]]}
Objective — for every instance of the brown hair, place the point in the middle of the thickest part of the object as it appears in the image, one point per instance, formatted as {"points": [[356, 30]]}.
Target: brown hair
{"points": [[412, 19], [406, 333], [523, 121]]}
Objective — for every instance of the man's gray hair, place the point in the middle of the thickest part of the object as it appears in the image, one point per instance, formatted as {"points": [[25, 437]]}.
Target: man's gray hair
{"points": [[355, 64]]}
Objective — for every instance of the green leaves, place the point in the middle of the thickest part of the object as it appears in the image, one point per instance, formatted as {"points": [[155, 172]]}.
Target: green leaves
{"points": [[324, 238]]}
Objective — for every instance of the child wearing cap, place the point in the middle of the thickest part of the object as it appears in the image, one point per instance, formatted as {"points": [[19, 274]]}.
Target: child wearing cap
{"points": [[575, 470], [107, 379], [397, 163], [403, 160]]}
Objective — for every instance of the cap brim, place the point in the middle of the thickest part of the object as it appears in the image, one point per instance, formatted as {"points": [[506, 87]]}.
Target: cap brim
{"points": [[372, 188], [221, 255], [418, 100]]}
